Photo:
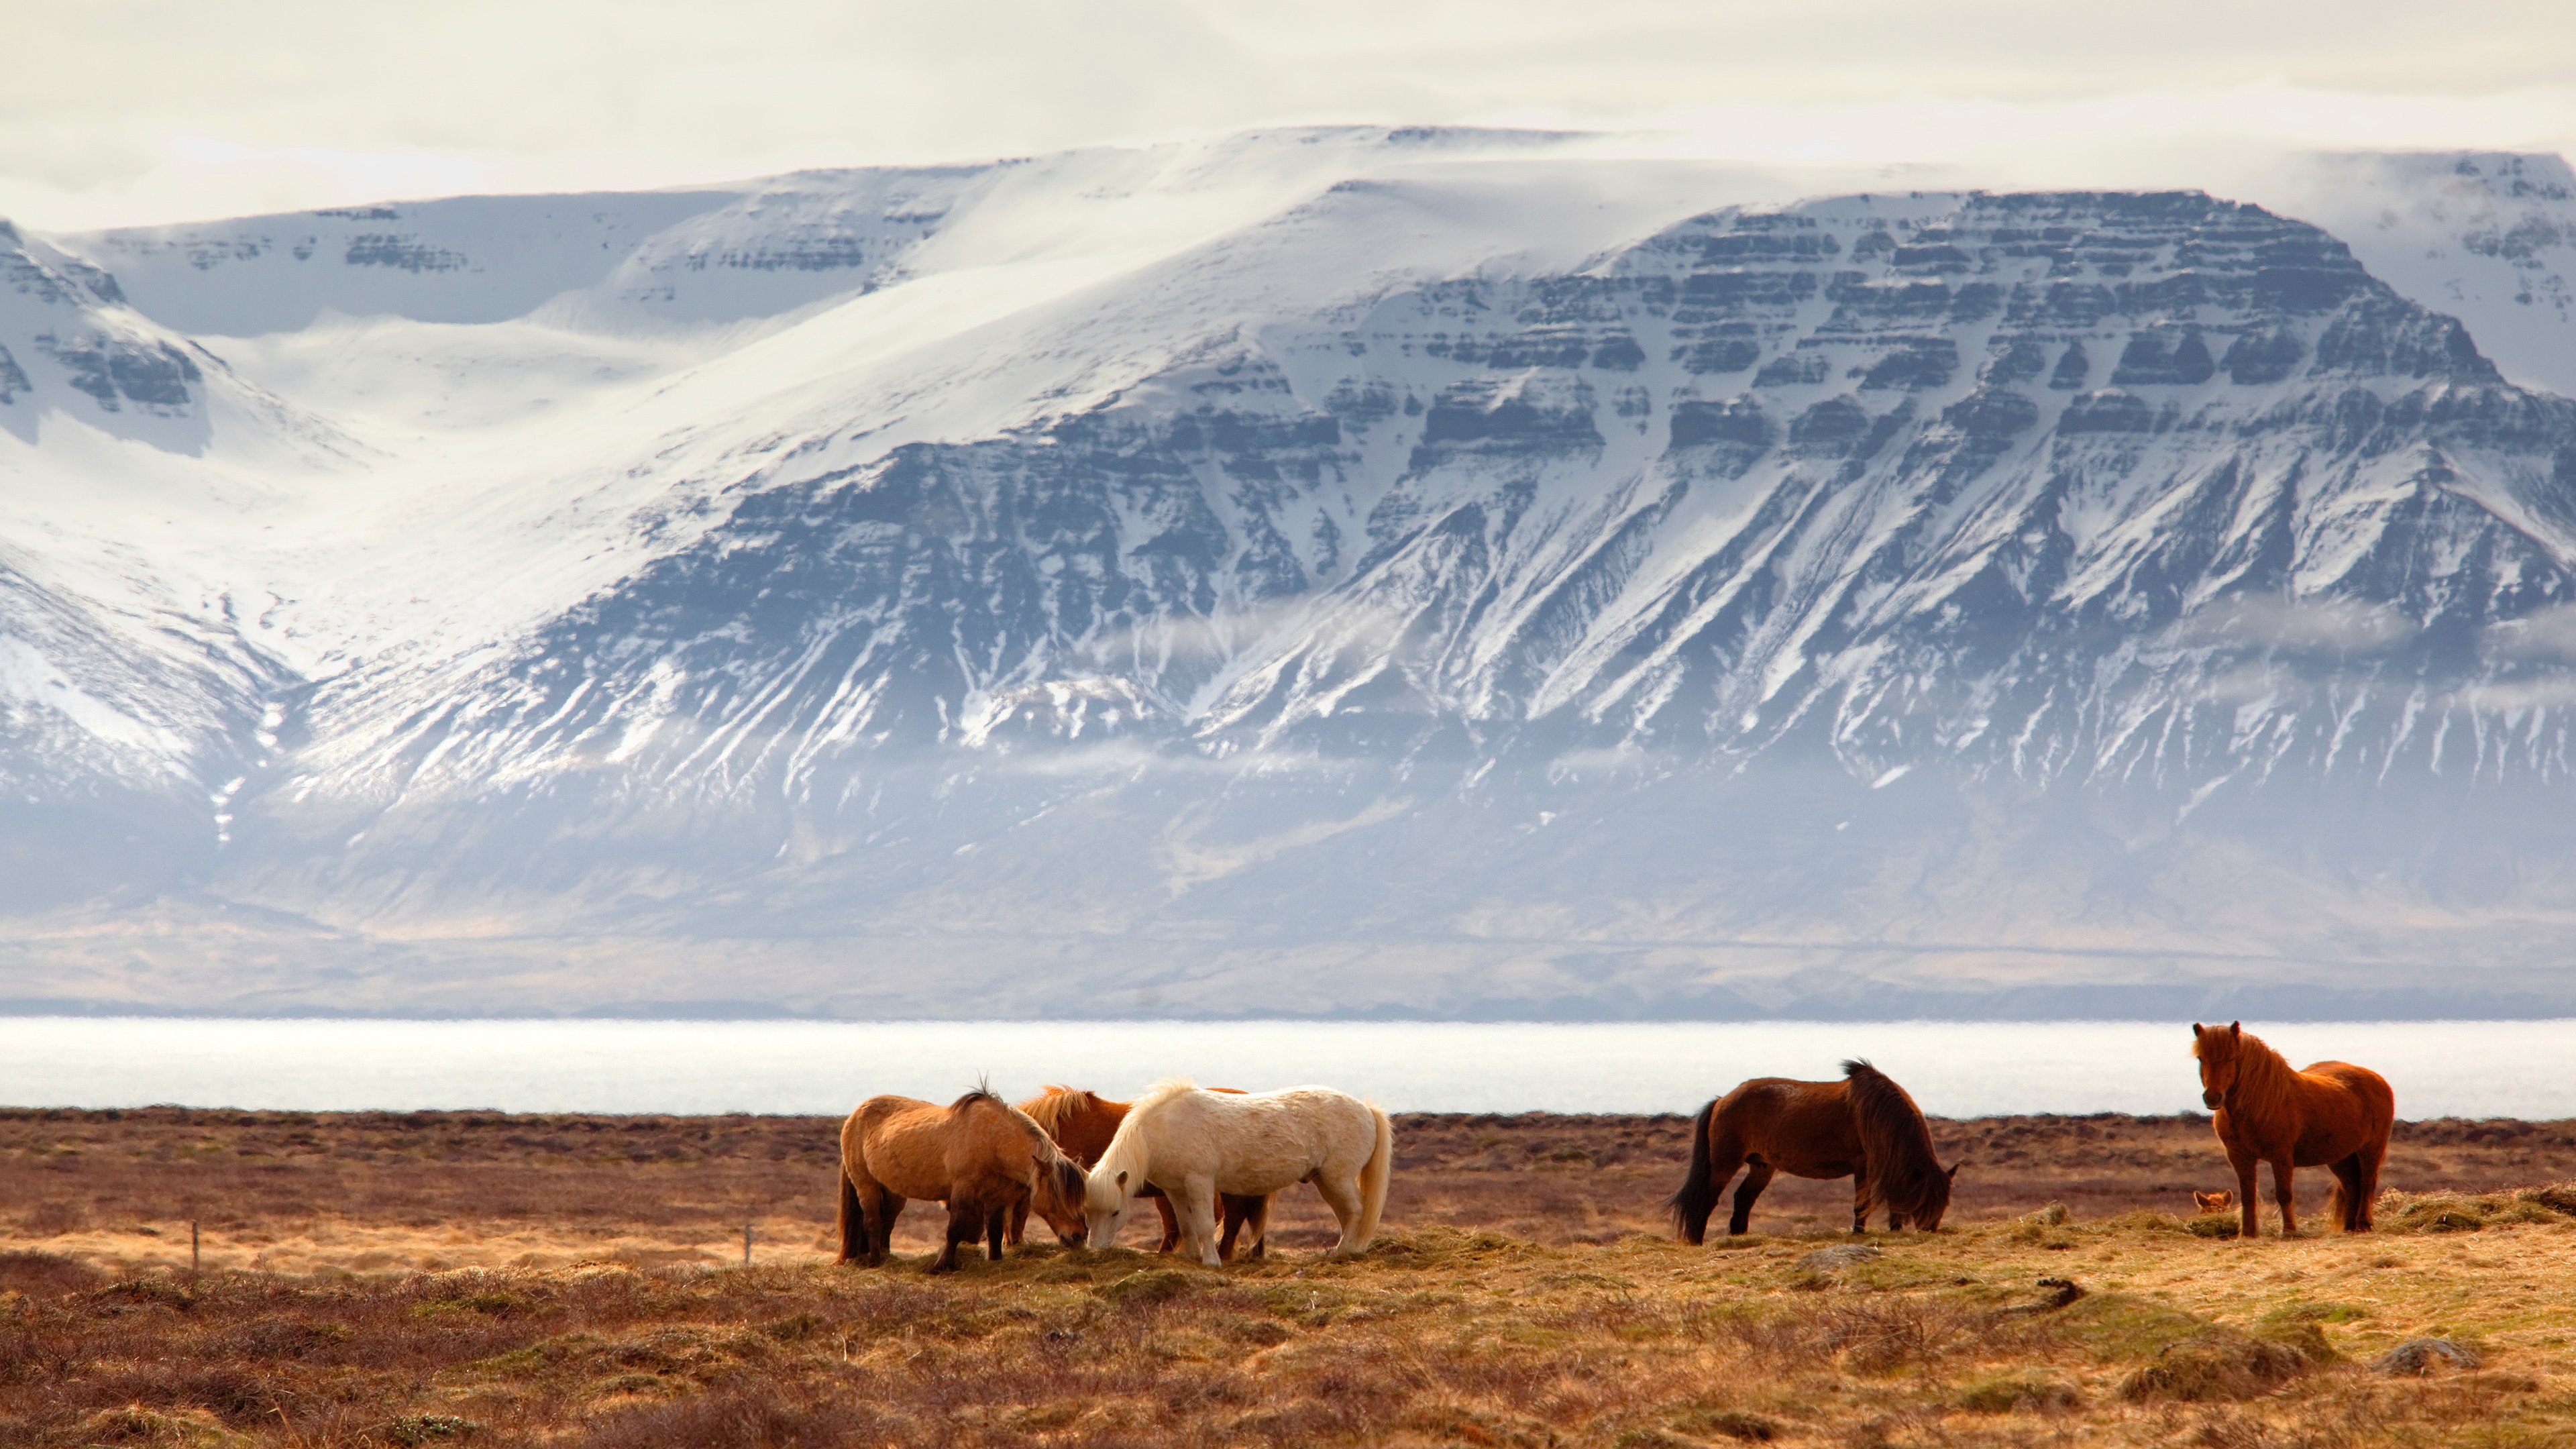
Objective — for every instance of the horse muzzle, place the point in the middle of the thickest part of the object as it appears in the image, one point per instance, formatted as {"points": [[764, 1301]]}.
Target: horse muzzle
{"points": [[2213, 1100]]}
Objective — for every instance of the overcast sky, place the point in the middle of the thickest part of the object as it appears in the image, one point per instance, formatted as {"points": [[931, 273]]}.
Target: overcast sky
{"points": [[116, 111]]}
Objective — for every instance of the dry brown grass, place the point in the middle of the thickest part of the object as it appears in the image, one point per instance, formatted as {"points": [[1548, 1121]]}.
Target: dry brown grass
{"points": [[1570, 1328]]}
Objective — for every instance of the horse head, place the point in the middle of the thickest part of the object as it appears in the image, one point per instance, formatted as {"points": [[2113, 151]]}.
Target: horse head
{"points": [[2217, 1051], [1060, 1197], [1105, 1199], [1932, 1198]]}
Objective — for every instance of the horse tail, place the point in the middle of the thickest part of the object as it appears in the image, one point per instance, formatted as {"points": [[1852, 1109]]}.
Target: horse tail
{"points": [[853, 1223], [1691, 1206], [1374, 1176]]}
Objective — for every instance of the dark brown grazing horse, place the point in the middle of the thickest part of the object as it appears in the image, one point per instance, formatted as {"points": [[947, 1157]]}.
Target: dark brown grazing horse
{"points": [[2332, 1115], [1082, 1124], [979, 1154], [1863, 1127]]}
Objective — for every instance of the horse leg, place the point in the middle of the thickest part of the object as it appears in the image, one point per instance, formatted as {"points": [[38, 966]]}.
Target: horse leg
{"points": [[2282, 1172], [1256, 1216], [994, 1225], [965, 1224], [2347, 1193], [1342, 1195], [861, 1206], [2366, 1165], [1195, 1204], [885, 1223], [1230, 1215], [1864, 1197], [1756, 1178], [2249, 1197], [1171, 1223], [1018, 1225], [1244, 1211]]}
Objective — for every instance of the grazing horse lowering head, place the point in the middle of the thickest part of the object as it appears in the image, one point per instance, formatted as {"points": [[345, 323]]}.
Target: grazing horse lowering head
{"points": [[1058, 1197], [2219, 1058], [1105, 1204]]}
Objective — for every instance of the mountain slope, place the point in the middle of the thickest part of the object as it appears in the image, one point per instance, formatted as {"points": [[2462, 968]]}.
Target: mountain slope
{"points": [[1476, 585]]}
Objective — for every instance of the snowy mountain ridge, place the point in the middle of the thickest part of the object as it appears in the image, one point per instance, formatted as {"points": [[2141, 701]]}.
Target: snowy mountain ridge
{"points": [[1319, 572]]}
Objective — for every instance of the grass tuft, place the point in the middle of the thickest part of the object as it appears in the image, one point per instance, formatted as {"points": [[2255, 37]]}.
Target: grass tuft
{"points": [[2018, 1392], [2215, 1364]]}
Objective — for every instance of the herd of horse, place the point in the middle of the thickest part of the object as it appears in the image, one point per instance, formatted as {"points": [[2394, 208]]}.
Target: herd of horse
{"points": [[1210, 1158]]}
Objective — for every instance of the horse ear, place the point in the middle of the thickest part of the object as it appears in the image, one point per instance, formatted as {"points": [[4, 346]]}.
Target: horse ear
{"points": [[2195, 1028], [1122, 1179], [1953, 1173], [2236, 1028]]}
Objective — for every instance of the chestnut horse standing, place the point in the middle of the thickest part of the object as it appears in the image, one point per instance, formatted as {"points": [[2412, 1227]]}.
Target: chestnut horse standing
{"points": [[979, 1154], [2332, 1115], [1863, 1127], [1082, 1123]]}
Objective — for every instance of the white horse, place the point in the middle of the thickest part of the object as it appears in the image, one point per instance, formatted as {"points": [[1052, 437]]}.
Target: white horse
{"points": [[1194, 1144]]}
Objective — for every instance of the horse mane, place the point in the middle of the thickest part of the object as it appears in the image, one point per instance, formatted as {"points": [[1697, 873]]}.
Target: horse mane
{"points": [[2265, 1080], [1051, 1106], [1893, 1132], [1050, 1158], [1160, 1092], [1127, 1146]]}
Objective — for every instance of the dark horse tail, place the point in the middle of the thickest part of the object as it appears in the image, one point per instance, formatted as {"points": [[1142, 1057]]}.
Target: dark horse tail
{"points": [[1691, 1206], [853, 1222]]}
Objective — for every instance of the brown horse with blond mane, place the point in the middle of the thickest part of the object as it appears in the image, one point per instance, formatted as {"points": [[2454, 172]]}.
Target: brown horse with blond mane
{"points": [[1082, 1123], [2330, 1114], [980, 1155], [1863, 1127]]}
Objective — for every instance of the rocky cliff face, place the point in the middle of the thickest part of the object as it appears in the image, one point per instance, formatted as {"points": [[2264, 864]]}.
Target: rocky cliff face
{"points": [[1961, 602]]}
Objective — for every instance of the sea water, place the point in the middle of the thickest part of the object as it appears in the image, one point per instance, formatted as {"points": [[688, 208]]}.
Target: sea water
{"points": [[1956, 1069]]}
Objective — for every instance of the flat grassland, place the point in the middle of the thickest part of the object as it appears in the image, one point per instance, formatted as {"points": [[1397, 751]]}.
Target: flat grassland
{"points": [[480, 1278]]}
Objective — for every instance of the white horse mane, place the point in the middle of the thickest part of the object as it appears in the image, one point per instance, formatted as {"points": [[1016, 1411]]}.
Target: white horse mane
{"points": [[1164, 1090], [1127, 1151]]}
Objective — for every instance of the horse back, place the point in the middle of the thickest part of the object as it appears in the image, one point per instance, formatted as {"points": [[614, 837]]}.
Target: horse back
{"points": [[1804, 1129], [1206, 1131], [923, 1150], [2348, 1108]]}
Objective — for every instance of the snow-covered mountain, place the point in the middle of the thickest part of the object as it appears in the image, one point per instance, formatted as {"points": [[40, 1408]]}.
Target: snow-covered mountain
{"points": [[1343, 571]]}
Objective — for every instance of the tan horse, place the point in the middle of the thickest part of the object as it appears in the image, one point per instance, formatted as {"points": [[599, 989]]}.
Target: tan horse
{"points": [[2332, 1115], [1863, 1127], [1083, 1123], [980, 1155]]}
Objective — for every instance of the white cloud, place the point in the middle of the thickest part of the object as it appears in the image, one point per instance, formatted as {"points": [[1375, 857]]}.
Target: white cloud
{"points": [[157, 109], [2518, 696], [2544, 634], [2300, 625]]}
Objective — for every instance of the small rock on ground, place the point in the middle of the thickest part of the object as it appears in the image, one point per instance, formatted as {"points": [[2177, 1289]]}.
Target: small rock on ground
{"points": [[2416, 1355], [1835, 1259]]}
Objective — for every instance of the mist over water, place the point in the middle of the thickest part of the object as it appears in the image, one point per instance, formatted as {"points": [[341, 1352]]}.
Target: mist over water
{"points": [[1955, 1069]]}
